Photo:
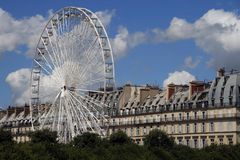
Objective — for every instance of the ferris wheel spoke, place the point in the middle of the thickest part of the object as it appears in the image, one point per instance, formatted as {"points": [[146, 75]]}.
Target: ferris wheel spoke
{"points": [[69, 117], [78, 119], [86, 67], [46, 61], [100, 104], [93, 81], [78, 100], [84, 116], [88, 90], [97, 101], [42, 67], [56, 56], [51, 108]]}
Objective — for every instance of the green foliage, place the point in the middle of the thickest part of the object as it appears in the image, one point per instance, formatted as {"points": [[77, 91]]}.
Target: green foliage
{"points": [[89, 140], [119, 147], [158, 139], [45, 136], [5, 136], [119, 138]]}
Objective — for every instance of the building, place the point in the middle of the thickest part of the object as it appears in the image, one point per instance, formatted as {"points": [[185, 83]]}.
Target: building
{"points": [[196, 115]]}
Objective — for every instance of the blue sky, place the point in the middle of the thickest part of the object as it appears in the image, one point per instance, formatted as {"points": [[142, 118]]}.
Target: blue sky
{"points": [[189, 46]]}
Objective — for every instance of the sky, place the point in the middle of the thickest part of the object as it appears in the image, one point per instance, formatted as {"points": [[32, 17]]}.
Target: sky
{"points": [[154, 42]]}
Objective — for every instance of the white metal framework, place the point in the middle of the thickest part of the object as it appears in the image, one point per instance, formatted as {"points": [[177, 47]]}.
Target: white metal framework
{"points": [[73, 57]]}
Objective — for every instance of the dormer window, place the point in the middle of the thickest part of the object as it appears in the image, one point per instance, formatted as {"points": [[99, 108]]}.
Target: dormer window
{"points": [[213, 93], [222, 92], [216, 82], [231, 91], [225, 80]]}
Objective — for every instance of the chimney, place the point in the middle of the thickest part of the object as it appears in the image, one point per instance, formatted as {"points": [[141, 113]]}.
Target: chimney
{"points": [[170, 90], [147, 91], [195, 86], [10, 111], [220, 72], [26, 110], [18, 110]]}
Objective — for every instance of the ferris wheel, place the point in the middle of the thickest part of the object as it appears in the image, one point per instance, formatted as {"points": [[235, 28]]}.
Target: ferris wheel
{"points": [[73, 58]]}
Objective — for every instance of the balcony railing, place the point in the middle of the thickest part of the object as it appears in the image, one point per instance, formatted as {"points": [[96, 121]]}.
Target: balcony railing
{"points": [[176, 119]]}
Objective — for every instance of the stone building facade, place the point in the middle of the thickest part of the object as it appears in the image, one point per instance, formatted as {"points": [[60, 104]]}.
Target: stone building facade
{"points": [[196, 115]]}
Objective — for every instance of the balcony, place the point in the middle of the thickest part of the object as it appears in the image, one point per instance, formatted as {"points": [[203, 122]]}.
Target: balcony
{"points": [[176, 119]]}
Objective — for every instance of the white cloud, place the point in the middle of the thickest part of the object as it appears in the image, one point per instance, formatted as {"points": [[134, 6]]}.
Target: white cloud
{"points": [[26, 31], [105, 16], [179, 77], [14, 32], [123, 41], [190, 63], [217, 32], [19, 81]]}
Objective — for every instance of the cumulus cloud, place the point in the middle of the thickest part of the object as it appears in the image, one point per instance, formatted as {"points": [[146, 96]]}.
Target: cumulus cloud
{"points": [[190, 63], [17, 32], [105, 16], [26, 31], [179, 77], [124, 41], [217, 32], [19, 82]]}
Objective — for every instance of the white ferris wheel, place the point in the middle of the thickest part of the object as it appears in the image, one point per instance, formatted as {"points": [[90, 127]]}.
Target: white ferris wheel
{"points": [[73, 57]]}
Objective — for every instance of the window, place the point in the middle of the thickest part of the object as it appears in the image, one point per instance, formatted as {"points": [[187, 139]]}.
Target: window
{"points": [[213, 93], [173, 129], [216, 82], [195, 115], [211, 127], [230, 101], [187, 116], [165, 117], [203, 115], [212, 141], [138, 141], [180, 128], [238, 89], [195, 127], [195, 143], [203, 142], [180, 116], [144, 131], [221, 102], [172, 117], [203, 127], [180, 141], [213, 103], [230, 141], [221, 141], [187, 140], [138, 131], [187, 128], [222, 92], [231, 91]]}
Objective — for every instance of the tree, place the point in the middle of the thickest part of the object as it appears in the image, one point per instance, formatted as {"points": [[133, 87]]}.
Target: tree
{"points": [[89, 140], [158, 139], [5, 136], [43, 136], [119, 138]]}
